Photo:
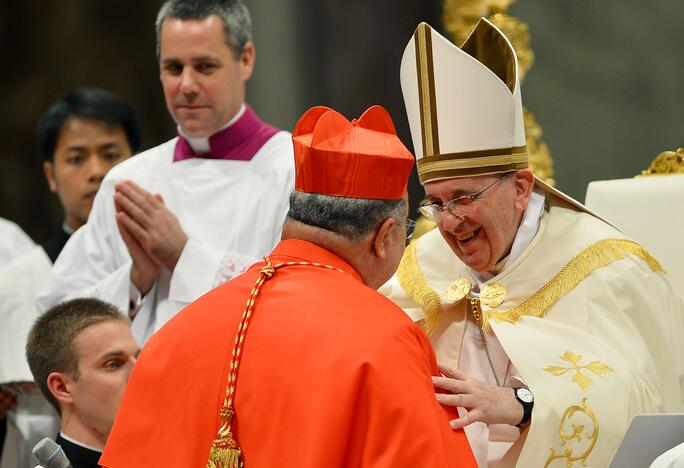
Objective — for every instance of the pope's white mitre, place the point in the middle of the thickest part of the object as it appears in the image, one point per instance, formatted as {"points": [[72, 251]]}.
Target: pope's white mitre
{"points": [[463, 104]]}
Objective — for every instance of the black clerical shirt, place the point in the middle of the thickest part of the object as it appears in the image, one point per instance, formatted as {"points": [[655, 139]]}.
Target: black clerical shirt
{"points": [[78, 455], [55, 245]]}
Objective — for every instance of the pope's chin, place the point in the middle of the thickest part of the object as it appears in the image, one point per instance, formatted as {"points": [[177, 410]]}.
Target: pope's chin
{"points": [[476, 259]]}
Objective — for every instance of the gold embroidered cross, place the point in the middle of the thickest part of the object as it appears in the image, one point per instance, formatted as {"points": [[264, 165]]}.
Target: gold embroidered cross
{"points": [[582, 380]]}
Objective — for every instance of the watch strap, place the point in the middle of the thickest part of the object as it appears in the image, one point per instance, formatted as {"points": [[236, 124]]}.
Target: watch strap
{"points": [[527, 408]]}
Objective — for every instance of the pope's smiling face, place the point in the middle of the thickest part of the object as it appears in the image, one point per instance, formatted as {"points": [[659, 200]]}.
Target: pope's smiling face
{"points": [[484, 231]]}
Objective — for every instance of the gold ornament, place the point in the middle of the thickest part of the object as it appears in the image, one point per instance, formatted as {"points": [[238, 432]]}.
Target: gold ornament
{"points": [[492, 295], [666, 163], [458, 290]]}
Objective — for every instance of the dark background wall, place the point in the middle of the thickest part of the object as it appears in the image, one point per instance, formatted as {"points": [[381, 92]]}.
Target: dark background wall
{"points": [[606, 86]]}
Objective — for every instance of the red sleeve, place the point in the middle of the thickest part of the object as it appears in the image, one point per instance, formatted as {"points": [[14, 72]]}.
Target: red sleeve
{"points": [[398, 420]]}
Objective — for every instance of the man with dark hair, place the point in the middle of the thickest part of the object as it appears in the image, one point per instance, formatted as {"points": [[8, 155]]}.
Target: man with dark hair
{"points": [[81, 353], [79, 139], [198, 209], [318, 369]]}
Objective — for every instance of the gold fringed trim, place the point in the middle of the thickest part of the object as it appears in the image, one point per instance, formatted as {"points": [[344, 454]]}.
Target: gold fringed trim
{"points": [[415, 285], [225, 458], [597, 255]]}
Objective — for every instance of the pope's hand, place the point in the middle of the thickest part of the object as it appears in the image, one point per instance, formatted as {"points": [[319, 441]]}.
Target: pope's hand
{"points": [[486, 403], [153, 233]]}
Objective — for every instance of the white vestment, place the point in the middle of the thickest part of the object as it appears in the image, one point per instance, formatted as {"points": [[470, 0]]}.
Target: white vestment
{"points": [[33, 418], [232, 212], [13, 241], [587, 318]]}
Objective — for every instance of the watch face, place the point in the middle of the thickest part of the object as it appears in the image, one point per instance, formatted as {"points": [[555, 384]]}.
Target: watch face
{"points": [[524, 395]]}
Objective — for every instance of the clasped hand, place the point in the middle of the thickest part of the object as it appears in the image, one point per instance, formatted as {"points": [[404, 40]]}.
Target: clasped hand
{"points": [[485, 403], [151, 232]]}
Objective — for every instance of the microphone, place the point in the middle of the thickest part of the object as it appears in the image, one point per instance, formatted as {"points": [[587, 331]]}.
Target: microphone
{"points": [[50, 455]]}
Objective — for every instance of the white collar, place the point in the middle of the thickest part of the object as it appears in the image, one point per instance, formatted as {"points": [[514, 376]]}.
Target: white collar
{"points": [[76, 442], [526, 231], [201, 144]]}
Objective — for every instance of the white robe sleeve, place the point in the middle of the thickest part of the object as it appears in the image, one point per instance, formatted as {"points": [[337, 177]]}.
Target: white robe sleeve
{"points": [[94, 262]]}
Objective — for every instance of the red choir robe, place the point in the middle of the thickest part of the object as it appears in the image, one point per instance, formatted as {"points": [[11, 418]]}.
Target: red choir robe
{"points": [[332, 375]]}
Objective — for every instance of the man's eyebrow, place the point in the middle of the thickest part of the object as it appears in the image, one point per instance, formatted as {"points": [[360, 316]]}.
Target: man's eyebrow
{"points": [[170, 61], [109, 354], [118, 353], [76, 148], [108, 145], [204, 58], [453, 194]]}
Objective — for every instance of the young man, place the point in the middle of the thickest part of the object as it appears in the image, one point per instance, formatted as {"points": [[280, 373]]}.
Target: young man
{"points": [[80, 138], [81, 353], [331, 373], [196, 210], [553, 329]]}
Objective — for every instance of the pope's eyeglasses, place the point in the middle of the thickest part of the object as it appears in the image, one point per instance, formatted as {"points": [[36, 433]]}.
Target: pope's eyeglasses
{"points": [[435, 212]]}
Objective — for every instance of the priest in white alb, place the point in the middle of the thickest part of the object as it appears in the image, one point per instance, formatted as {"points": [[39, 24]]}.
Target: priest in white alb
{"points": [[182, 217], [552, 329]]}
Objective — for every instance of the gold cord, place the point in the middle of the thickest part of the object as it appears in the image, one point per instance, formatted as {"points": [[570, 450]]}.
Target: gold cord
{"points": [[477, 314], [225, 451]]}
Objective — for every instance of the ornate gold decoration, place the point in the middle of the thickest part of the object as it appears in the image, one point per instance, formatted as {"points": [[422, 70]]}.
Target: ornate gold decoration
{"points": [[666, 163], [225, 451], [582, 380], [476, 310], [412, 280], [458, 289], [597, 255], [493, 295], [538, 151], [577, 432], [423, 226], [459, 18]]}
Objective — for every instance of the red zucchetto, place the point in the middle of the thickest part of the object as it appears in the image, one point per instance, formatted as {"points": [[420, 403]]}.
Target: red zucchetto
{"points": [[363, 158]]}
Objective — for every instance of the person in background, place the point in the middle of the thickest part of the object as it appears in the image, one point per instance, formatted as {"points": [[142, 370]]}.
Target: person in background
{"points": [[190, 213], [79, 139], [13, 242], [81, 353]]}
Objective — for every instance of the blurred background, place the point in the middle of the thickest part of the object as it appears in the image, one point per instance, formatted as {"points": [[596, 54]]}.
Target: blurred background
{"points": [[606, 83]]}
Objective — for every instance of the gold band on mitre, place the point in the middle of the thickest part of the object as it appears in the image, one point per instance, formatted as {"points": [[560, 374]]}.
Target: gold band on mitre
{"points": [[426, 85], [471, 163]]}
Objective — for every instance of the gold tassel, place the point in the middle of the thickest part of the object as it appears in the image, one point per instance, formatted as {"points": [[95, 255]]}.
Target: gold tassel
{"points": [[221, 457], [415, 285], [225, 452]]}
